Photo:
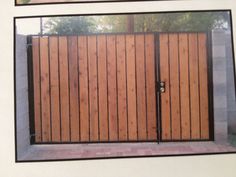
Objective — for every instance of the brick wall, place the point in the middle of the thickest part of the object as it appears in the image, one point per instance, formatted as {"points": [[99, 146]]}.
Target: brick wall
{"points": [[231, 100], [224, 88]]}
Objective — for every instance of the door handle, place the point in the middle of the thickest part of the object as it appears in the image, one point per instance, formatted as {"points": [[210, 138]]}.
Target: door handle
{"points": [[162, 87]]}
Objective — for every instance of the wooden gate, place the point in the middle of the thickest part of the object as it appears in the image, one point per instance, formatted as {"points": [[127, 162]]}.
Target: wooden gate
{"points": [[120, 88], [184, 71], [94, 88]]}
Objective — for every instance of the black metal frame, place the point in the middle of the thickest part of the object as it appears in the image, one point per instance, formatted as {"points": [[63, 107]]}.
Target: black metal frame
{"points": [[158, 94], [210, 86], [116, 33], [233, 52], [157, 80], [210, 90], [30, 89]]}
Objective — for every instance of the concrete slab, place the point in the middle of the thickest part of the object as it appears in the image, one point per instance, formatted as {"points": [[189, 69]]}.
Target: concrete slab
{"points": [[75, 151]]}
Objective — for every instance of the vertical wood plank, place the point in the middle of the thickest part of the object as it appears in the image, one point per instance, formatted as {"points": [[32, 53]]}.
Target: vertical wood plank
{"points": [[37, 94], [141, 83], [165, 77], [64, 89], [121, 79], [131, 87], [174, 86], [54, 85], [194, 90], [74, 88], [93, 89], [45, 90], [112, 89], [83, 92], [150, 87], [102, 81], [184, 86], [203, 86]]}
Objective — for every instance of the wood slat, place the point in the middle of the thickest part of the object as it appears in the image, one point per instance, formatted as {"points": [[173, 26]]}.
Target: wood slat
{"points": [[54, 85], [141, 87], [194, 90], [93, 88], [174, 86], [184, 86], [83, 91], [131, 87], [102, 87], [121, 79], [112, 88], [73, 88], [37, 93], [45, 90], [202, 38], [165, 97], [64, 89], [150, 87], [102, 81]]}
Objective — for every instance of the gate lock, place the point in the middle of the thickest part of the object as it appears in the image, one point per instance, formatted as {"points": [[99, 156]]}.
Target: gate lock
{"points": [[162, 87]]}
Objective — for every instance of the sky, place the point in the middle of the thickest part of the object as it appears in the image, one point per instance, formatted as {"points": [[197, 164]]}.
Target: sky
{"points": [[27, 26]]}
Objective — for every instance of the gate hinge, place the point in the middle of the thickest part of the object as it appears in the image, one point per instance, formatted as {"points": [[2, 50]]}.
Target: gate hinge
{"points": [[28, 45], [32, 135]]}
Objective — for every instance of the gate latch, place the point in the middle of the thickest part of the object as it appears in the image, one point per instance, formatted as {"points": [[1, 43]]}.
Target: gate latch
{"points": [[162, 87]]}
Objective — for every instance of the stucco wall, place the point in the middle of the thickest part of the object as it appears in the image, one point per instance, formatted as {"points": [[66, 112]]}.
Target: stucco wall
{"points": [[21, 84]]}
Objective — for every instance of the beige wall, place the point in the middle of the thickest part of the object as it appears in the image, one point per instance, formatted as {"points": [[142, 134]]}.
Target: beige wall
{"points": [[191, 166]]}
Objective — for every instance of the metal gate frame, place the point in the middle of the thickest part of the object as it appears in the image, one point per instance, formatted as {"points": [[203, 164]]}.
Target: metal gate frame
{"points": [[210, 87], [157, 89]]}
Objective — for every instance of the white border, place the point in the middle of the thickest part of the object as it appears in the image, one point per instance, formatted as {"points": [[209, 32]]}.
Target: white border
{"points": [[191, 166]]}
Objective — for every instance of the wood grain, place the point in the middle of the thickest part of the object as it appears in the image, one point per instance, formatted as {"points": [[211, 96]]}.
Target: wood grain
{"points": [[83, 91], [54, 85], [64, 89], [131, 87], [194, 90], [45, 90], [102, 81], [73, 88], [37, 89], [93, 88], [165, 97], [121, 83], [184, 86], [203, 85], [174, 86], [150, 87], [141, 87], [112, 88]]}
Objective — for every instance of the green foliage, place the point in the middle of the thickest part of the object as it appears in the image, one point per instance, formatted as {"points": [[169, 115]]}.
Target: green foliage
{"points": [[166, 22], [70, 25], [23, 1], [162, 22], [113, 23]]}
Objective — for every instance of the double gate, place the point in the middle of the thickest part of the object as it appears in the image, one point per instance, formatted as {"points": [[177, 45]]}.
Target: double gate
{"points": [[120, 88]]}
